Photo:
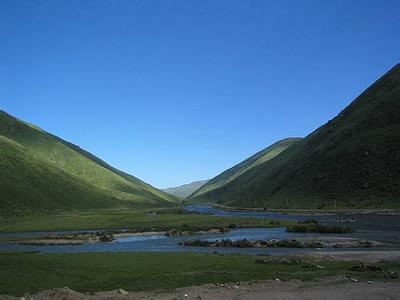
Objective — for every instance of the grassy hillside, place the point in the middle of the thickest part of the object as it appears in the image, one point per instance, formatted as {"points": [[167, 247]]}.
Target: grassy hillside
{"points": [[41, 172], [253, 161], [353, 161], [185, 190]]}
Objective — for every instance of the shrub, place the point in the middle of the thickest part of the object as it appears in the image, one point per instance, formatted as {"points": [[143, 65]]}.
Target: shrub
{"points": [[319, 229], [106, 238], [362, 267], [310, 221]]}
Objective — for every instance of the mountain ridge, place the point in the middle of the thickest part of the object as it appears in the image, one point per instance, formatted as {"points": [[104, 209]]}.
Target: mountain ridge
{"points": [[27, 150], [352, 161], [258, 158], [185, 190]]}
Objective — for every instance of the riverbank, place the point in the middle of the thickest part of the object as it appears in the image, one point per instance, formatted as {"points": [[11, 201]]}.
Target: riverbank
{"points": [[63, 238], [135, 272], [312, 243], [55, 239], [165, 230], [148, 220], [311, 212]]}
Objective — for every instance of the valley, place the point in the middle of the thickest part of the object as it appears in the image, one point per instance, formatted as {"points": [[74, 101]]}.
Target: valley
{"points": [[161, 262], [351, 162], [302, 208], [199, 150]]}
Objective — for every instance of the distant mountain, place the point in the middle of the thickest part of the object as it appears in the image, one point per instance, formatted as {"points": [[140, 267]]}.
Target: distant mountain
{"points": [[246, 165], [185, 190], [40, 172], [353, 161]]}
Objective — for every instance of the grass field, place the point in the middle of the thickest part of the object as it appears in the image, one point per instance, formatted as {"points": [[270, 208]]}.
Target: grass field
{"points": [[91, 272], [130, 219]]}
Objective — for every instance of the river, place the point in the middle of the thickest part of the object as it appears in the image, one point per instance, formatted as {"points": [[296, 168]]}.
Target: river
{"points": [[385, 228]]}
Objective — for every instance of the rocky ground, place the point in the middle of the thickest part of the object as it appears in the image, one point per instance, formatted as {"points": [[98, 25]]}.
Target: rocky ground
{"points": [[362, 256], [320, 242], [87, 238], [341, 287], [331, 288]]}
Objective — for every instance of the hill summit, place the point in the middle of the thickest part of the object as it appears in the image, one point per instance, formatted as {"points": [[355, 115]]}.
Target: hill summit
{"points": [[40, 172]]}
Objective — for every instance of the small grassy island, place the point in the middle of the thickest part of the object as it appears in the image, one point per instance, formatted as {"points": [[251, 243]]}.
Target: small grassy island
{"points": [[159, 219]]}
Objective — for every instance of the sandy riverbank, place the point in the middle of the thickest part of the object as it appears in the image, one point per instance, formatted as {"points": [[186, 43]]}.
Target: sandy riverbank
{"points": [[79, 239]]}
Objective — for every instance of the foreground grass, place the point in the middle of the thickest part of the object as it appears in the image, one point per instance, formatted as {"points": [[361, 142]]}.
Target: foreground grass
{"points": [[130, 219], [91, 272]]}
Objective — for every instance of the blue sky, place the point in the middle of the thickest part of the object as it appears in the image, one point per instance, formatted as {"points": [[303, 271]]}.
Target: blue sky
{"points": [[176, 91]]}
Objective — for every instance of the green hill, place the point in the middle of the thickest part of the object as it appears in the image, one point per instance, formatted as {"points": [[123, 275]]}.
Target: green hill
{"points": [[353, 161], [185, 190], [43, 173], [253, 161]]}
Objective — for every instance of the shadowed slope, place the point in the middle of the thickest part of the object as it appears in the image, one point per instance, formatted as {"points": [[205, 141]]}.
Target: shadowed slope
{"points": [[352, 161]]}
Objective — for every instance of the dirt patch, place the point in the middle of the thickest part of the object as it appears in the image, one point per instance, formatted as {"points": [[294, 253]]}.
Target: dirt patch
{"points": [[364, 256], [330, 288]]}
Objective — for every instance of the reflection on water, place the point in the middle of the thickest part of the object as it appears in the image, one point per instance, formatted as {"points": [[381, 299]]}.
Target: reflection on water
{"points": [[209, 209], [377, 227]]}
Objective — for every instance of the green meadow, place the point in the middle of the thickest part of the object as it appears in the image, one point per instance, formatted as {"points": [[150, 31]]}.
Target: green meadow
{"points": [[140, 218], [93, 272]]}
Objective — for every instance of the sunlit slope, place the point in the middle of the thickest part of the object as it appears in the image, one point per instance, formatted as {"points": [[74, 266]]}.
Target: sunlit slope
{"points": [[353, 161], [239, 169], [40, 170]]}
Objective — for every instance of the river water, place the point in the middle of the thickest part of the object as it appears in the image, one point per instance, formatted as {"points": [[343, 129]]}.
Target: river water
{"points": [[384, 228]]}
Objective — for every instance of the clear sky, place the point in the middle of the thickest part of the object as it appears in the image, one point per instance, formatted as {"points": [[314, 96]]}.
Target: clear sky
{"points": [[176, 91]]}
